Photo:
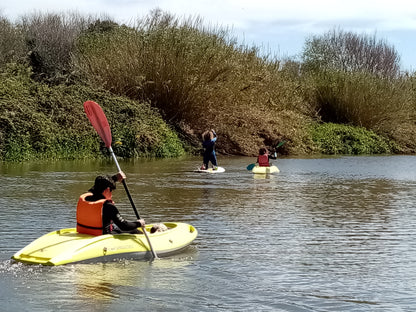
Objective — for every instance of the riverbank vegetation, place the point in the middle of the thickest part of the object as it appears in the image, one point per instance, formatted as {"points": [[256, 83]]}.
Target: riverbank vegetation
{"points": [[39, 121], [164, 80]]}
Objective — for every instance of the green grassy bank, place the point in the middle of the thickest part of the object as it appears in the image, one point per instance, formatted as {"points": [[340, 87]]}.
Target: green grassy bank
{"points": [[39, 121], [164, 80]]}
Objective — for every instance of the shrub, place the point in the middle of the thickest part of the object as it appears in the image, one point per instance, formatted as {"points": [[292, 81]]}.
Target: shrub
{"points": [[342, 139], [42, 121], [362, 100]]}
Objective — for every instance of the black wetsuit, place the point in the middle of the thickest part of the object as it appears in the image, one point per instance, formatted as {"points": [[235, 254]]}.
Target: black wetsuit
{"points": [[112, 215]]}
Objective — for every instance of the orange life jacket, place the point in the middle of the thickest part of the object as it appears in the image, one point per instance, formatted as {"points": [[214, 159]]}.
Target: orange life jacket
{"points": [[263, 160], [89, 216]]}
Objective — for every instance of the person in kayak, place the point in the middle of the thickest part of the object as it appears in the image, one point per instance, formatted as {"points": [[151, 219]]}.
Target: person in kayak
{"points": [[264, 156], [97, 214], [209, 138]]}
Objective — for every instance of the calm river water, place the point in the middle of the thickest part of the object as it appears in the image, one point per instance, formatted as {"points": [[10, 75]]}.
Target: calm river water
{"points": [[324, 234]]}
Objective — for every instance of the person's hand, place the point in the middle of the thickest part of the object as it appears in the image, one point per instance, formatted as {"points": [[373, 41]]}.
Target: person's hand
{"points": [[121, 176], [141, 222]]}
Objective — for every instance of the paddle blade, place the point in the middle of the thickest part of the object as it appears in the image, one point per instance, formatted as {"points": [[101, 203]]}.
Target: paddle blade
{"points": [[280, 144], [98, 120], [250, 167]]}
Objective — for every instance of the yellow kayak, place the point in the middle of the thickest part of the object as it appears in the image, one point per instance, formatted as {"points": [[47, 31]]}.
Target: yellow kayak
{"points": [[264, 170], [68, 246]]}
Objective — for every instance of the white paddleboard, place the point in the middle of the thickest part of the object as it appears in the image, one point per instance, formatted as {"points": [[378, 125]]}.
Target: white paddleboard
{"points": [[210, 170]]}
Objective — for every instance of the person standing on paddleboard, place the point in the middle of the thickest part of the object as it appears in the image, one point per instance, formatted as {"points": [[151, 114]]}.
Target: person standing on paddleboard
{"points": [[209, 138], [97, 214]]}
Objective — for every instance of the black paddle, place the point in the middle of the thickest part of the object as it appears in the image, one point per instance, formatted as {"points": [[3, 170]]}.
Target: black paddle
{"points": [[100, 123]]}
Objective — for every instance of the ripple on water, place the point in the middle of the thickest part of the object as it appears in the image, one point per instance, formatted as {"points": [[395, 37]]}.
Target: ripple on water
{"points": [[333, 234]]}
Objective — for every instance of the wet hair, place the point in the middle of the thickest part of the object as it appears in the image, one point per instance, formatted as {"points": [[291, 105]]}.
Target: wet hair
{"points": [[263, 151], [207, 135], [101, 183]]}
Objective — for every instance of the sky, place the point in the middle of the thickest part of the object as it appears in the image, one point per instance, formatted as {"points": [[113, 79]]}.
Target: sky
{"points": [[279, 27]]}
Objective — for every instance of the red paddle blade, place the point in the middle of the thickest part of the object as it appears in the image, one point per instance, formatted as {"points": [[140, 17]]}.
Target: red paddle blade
{"points": [[98, 120]]}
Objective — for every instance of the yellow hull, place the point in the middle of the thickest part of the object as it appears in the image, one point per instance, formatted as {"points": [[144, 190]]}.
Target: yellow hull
{"points": [[264, 170], [67, 246]]}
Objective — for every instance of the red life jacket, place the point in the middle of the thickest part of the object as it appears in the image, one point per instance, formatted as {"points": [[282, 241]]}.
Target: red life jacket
{"points": [[263, 160], [89, 216]]}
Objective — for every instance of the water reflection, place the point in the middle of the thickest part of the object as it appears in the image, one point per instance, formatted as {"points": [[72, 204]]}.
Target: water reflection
{"points": [[106, 281]]}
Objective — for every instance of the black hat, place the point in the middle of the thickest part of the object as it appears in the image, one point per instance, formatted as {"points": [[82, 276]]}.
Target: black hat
{"points": [[101, 183]]}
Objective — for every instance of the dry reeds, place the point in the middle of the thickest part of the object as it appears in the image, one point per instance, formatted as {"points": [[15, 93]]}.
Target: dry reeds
{"points": [[196, 76]]}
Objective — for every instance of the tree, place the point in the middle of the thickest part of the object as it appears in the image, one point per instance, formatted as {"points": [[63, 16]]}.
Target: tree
{"points": [[50, 40], [349, 52], [12, 45]]}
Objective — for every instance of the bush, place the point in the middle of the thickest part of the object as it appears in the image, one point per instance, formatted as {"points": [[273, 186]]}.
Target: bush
{"points": [[362, 100], [355, 79], [42, 121], [342, 139]]}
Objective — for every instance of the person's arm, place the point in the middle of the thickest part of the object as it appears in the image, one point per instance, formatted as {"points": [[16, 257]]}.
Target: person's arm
{"points": [[215, 136], [110, 212], [274, 156]]}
